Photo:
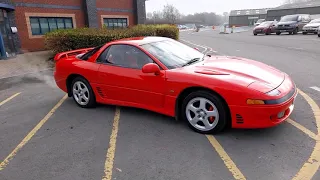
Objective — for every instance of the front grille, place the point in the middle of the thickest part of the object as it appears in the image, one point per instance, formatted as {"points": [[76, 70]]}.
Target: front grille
{"points": [[239, 119]]}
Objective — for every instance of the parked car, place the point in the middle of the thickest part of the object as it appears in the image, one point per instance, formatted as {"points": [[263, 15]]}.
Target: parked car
{"points": [[312, 27], [292, 23], [182, 27], [259, 22], [163, 75], [266, 28], [319, 31]]}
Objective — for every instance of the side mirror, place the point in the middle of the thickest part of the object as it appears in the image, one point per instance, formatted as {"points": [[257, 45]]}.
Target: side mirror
{"points": [[151, 68], [196, 49]]}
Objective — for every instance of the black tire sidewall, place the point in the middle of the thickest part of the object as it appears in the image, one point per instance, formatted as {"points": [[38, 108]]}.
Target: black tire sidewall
{"points": [[92, 98], [217, 101]]}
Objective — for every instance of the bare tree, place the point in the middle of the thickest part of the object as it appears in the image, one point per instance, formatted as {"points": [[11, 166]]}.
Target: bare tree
{"points": [[171, 14], [157, 15]]}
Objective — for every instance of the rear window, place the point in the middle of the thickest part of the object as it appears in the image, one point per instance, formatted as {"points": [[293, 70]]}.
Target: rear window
{"points": [[90, 53]]}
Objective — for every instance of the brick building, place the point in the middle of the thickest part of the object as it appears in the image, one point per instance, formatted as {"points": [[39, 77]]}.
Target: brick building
{"points": [[23, 22]]}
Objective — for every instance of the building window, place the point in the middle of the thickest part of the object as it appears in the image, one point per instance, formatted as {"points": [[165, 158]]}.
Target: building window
{"points": [[114, 23], [42, 25]]}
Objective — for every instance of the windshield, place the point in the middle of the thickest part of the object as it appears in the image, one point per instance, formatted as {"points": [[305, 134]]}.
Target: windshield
{"points": [[264, 24], [260, 20], [289, 18], [171, 53], [315, 21]]}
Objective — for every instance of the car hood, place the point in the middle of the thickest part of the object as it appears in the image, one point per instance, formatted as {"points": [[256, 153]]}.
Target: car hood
{"points": [[242, 71], [312, 25], [286, 23]]}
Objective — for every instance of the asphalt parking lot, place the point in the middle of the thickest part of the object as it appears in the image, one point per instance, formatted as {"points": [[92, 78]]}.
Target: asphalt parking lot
{"points": [[44, 135]]}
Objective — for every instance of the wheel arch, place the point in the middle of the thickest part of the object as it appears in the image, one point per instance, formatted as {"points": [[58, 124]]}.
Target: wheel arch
{"points": [[184, 93], [69, 80]]}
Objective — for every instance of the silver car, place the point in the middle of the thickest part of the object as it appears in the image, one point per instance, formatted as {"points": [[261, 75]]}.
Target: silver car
{"points": [[311, 27]]}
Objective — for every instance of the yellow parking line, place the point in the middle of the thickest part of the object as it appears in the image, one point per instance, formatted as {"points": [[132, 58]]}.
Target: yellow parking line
{"points": [[6, 161], [303, 129], [311, 166], [108, 166], [226, 159], [8, 99]]}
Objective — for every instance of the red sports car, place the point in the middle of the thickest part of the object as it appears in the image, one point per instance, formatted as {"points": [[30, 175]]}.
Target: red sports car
{"points": [[168, 77]]}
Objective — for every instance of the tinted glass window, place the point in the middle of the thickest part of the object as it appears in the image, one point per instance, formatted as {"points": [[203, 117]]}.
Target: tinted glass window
{"points": [[172, 53], [35, 26], [126, 56], [90, 53], [42, 25], [265, 24], [114, 23], [289, 18]]}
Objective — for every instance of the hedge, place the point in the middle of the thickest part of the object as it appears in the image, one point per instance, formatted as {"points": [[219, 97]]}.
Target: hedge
{"points": [[71, 39]]}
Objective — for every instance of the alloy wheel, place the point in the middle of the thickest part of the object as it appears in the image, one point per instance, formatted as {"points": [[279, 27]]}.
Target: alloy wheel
{"points": [[81, 93], [202, 114]]}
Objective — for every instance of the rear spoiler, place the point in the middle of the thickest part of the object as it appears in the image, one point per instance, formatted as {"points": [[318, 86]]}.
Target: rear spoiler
{"points": [[68, 54]]}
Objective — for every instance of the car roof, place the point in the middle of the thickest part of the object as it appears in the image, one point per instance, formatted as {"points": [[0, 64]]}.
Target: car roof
{"points": [[141, 40]]}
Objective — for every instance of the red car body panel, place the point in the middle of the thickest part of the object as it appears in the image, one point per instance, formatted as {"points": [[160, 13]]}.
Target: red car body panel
{"points": [[234, 79]]}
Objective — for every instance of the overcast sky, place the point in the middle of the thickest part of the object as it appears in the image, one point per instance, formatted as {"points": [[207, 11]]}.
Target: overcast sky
{"points": [[217, 6]]}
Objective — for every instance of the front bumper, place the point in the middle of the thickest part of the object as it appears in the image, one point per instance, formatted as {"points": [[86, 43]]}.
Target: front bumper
{"points": [[285, 29], [259, 31], [264, 116], [310, 30]]}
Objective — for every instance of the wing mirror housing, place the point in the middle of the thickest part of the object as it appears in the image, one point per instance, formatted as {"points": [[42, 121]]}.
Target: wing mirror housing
{"points": [[151, 68], [196, 49]]}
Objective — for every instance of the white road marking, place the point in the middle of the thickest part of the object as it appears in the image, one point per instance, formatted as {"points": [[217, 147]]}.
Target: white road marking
{"points": [[315, 88], [202, 46]]}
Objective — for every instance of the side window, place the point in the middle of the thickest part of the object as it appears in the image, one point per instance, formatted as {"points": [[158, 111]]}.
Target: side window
{"points": [[126, 56], [103, 56]]}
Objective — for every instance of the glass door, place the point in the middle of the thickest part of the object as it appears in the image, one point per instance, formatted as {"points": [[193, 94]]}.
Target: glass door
{"points": [[5, 31]]}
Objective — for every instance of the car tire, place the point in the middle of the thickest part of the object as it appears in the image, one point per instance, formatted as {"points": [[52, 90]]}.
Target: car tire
{"points": [[278, 33], [198, 118], [295, 31], [318, 35], [304, 33], [290, 33], [255, 34], [315, 33], [82, 93]]}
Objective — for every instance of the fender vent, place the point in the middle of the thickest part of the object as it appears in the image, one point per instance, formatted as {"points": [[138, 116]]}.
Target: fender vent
{"points": [[100, 92], [239, 119]]}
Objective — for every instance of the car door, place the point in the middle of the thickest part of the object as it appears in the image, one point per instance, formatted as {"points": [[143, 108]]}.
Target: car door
{"points": [[121, 77]]}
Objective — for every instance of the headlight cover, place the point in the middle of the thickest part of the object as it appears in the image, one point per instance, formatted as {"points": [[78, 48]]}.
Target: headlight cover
{"points": [[274, 92]]}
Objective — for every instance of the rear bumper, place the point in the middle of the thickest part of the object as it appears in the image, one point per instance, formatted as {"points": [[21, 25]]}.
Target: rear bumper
{"points": [[264, 116], [61, 82]]}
